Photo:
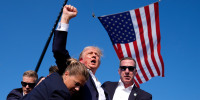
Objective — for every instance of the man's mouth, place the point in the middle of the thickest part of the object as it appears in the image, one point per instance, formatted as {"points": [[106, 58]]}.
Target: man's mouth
{"points": [[93, 61], [127, 77]]}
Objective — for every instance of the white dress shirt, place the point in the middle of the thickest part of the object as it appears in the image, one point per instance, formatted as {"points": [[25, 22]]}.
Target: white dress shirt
{"points": [[62, 27], [122, 93], [98, 86]]}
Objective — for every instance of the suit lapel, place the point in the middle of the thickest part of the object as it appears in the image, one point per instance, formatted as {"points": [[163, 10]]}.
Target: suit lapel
{"points": [[133, 93], [112, 89]]}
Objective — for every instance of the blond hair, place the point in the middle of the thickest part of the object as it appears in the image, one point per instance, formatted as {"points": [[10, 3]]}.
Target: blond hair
{"points": [[88, 47], [76, 68]]}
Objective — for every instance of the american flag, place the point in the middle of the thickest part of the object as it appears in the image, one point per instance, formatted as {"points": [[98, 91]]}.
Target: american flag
{"points": [[136, 34]]}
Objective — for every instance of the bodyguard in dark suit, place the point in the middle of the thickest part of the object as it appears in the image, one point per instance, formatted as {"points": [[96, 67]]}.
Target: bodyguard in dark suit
{"points": [[28, 83], [60, 87], [125, 89]]}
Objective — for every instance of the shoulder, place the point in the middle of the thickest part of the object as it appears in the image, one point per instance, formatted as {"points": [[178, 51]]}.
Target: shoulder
{"points": [[143, 93], [17, 90], [109, 84], [15, 94]]}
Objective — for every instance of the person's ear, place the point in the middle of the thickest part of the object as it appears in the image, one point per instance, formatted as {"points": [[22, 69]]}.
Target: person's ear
{"points": [[81, 60], [66, 73], [119, 71]]}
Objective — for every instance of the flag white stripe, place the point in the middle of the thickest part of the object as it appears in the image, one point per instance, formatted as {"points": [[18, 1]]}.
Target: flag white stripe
{"points": [[124, 50]]}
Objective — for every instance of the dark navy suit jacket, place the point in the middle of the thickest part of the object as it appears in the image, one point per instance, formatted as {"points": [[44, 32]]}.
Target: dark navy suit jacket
{"points": [[15, 94], [89, 90], [52, 88], [136, 93]]}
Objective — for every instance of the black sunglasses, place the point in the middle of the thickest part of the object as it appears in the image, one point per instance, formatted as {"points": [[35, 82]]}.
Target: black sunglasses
{"points": [[130, 68], [31, 85]]}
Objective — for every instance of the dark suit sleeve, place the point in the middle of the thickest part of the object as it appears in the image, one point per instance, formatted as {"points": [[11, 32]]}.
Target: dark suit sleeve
{"points": [[59, 50], [15, 94], [59, 95]]}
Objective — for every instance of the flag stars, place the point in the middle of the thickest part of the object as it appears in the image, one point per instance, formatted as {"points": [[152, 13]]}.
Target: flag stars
{"points": [[119, 27]]}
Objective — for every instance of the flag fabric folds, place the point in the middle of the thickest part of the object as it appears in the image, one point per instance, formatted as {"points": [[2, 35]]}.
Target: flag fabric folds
{"points": [[136, 34]]}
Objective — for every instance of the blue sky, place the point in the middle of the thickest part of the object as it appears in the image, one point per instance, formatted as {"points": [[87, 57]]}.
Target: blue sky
{"points": [[26, 24]]}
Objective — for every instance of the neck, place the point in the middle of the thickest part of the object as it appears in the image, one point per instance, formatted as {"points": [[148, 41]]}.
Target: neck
{"points": [[128, 85]]}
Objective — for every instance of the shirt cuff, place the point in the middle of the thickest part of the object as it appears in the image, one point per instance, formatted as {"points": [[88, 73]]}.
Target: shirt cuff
{"points": [[62, 27]]}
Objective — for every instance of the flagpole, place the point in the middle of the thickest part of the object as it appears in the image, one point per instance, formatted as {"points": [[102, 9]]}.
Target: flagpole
{"points": [[49, 39]]}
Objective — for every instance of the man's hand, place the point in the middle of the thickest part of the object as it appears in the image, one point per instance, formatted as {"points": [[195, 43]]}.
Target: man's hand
{"points": [[68, 13]]}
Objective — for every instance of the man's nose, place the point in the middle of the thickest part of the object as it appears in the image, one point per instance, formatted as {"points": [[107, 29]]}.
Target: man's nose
{"points": [[27, 86], [127, 70], [94, 55]]}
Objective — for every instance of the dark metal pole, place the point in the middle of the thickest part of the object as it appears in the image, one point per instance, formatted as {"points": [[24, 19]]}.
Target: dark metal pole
{"points": [[49, 39]]}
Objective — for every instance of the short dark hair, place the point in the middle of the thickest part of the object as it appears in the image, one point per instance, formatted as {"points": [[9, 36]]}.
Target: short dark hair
{"points": [[53, 69]]}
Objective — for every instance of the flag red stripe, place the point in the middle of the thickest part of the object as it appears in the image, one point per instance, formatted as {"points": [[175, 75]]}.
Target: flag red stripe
{"points": [[148, 20], [128, 50], [120, 51], [141, 32], [139, 61], [138, 78], [136, 83], [158, 36]]}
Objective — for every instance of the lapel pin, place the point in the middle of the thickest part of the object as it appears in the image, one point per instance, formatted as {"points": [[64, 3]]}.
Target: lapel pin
{"points": [[135, 94]]}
